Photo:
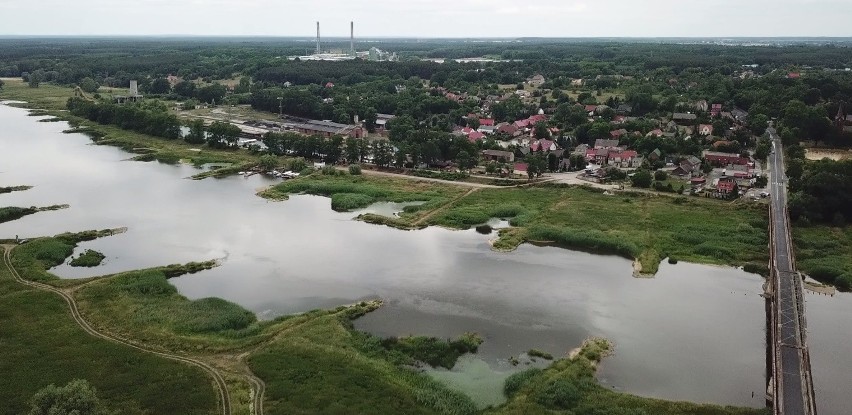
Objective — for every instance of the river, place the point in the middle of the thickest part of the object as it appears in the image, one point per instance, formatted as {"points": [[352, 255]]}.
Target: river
{"points": [[693, 333]]}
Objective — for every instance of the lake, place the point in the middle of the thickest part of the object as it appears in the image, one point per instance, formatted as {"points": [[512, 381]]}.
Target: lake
{"points": [[693, 332]]}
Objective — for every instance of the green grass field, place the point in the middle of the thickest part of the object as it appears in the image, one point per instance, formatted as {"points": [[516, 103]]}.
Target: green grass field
{"points": [[42, 345], [641, 226], [825, 253], [569, 386], [349, 192]]}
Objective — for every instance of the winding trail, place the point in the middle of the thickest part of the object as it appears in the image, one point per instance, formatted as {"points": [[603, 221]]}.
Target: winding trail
{"points": [[444, 207], [224, 396]]}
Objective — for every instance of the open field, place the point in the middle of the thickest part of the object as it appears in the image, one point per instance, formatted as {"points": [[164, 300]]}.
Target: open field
{"points": [[569, 385], [640, 226], [42, 345], [348, 192], [825, 253], [833, 154]]}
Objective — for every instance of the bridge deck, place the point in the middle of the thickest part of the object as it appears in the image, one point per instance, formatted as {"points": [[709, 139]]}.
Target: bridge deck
{"points": [[793, 390]]}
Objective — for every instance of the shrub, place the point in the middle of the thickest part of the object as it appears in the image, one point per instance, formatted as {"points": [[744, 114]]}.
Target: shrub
{"points": [[539, 353], [355, 169], [516, 381], [660, 175], [342, 202], [561, 394], [89, 258]]}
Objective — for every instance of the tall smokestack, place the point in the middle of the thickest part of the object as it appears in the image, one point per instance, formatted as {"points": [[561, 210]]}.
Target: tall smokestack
{"points": [[352, 38], [319, 50]]}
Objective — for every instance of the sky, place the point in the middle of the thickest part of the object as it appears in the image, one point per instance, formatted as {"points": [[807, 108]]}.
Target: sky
{"points": [[430, 18]]}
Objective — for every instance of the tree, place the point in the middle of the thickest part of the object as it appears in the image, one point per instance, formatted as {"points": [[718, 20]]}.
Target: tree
{"points": [[211, 93], [382, 153], [535, 166], [353, 150], [491, 167], [185, 88], [370, 118], [35, 78], [540, 131], [75, 398], [465, 160], [222, 134], [268, 162], [196, 132], [660, 175], [1, 84], [89, 85], [642, 178], [160, 86]]}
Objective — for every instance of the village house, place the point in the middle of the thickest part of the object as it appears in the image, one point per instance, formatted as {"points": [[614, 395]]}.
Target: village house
{"points": [[605, 144], [725, 187], [625, 159], [509, 129], [724, 159], [682, 118], [705, 129], [498, 155], [715, 110], [739, 115], [618, 133], [536, 81], [689, 167], [328, 129]]}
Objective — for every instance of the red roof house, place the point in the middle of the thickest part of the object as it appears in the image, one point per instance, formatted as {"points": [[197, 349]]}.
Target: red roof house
{"points": [[486, 121], [475, 136]]}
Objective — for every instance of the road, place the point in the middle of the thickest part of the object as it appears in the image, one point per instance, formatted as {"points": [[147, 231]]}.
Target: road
{"points": [[221, 386], [793, 393]]}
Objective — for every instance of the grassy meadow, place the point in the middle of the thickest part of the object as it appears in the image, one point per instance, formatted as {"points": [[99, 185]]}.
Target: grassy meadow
{"points": [[348, 192], [568, 386], [42, 345], [637, 226], [825, 253]]}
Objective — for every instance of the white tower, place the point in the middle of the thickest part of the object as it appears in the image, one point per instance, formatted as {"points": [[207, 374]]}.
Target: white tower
{"points": [[319, 50], [352, 38]]}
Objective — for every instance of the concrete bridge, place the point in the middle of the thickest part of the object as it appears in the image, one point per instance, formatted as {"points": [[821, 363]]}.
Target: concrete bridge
{"points": [[790, 388]]}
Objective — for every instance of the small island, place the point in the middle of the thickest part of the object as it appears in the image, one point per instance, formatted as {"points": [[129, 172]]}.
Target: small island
{"points": [[89, 258]]}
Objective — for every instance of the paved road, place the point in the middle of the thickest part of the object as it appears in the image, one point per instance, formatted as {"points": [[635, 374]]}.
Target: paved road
{"points": [[222, 388], [793, 393]]}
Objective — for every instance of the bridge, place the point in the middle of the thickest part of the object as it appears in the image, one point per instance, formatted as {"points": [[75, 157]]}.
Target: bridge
{"points": [[790, 388]]}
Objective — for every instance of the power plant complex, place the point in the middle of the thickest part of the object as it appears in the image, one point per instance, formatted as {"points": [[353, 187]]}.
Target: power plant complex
{"points": [[373, 54]]}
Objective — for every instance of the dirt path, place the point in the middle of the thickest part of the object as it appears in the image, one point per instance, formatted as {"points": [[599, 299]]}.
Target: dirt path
{"points": [[428, 179], [224, 396], [442, 208]]}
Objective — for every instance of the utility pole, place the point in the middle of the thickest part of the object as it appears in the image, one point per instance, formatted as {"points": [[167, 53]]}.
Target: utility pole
{"points": [[280, 107]]}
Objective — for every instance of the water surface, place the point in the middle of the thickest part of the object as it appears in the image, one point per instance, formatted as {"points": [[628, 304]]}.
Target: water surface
{"points": [[692, 333]]}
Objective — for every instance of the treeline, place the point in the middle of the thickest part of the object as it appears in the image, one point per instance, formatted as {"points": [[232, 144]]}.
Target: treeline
{"points": [[150, 117], [821, 191]]}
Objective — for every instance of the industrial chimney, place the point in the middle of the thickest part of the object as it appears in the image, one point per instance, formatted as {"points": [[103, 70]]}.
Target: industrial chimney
{"points": [[319, 50], [352, 38]]}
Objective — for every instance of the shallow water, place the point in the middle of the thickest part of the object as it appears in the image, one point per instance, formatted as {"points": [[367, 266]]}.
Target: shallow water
{"points": [[692, 333]]}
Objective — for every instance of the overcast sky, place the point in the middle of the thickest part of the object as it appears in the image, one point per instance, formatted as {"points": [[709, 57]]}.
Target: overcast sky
{"points": [[430, 18]]}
